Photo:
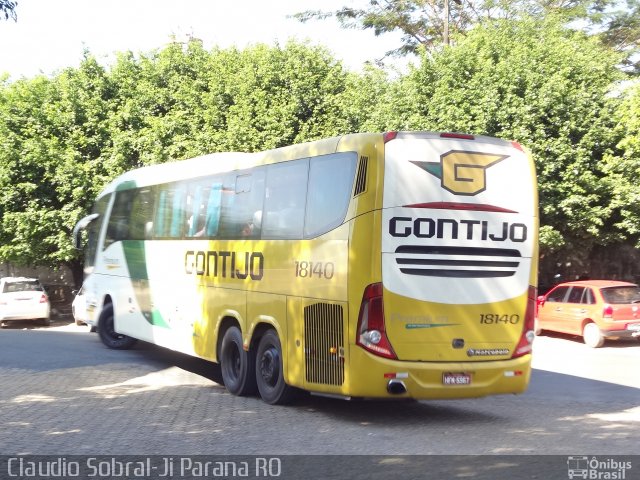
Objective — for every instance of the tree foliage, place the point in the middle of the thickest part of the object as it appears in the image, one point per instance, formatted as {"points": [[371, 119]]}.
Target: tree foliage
{"points": [[428, 24], [63, 138], [8, 9], [546, 87]]}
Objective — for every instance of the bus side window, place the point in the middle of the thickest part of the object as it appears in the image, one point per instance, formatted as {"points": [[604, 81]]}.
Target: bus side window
{"points": [[329, 192], [214, 204], [285, 197], [170, 219], [178, 213], [241, 204], [195, 210], [118, 227], [161, 209], [140, 220]]}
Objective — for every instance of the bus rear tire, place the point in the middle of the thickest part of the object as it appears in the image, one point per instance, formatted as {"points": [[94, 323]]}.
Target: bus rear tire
{"points": [[108, 335], [269, 371], [238, 365]]}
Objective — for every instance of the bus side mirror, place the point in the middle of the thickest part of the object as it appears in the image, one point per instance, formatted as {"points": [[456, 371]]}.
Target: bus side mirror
{"points": [[81, 225]]}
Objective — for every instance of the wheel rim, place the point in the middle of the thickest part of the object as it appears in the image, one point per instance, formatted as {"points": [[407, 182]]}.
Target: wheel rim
{"points": [[233, 363], [591, 334], [270, 366]]}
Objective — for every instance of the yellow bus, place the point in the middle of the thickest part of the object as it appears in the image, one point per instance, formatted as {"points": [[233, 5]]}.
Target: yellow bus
{"points": [[399, 265]]}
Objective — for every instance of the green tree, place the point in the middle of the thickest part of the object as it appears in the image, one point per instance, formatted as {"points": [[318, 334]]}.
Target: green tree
{"points": [[429, 24], [623, 165], [53, 132]]}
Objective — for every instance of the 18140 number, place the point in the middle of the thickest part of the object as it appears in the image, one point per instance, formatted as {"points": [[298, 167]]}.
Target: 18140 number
{"points": [[496, 318], [305, 269]]}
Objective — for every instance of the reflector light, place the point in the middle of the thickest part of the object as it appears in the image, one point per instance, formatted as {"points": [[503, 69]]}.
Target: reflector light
{"points": [[396, 375]]}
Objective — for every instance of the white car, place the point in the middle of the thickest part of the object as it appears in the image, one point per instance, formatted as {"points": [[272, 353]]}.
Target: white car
{"points": [[23, 298], [79, 307]]}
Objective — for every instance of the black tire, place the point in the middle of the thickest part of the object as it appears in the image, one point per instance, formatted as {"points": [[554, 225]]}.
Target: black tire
{"points": [[237, 365], [108, 335], [269, 371]]}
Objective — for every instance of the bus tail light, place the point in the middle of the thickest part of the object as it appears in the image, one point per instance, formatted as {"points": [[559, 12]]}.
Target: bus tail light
{"points": [[372, 335], [528, 332], [388, 136]]}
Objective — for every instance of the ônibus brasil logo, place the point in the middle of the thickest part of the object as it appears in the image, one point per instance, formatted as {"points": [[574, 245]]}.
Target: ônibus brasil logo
{"points": [[596, 468], [460, 172]]}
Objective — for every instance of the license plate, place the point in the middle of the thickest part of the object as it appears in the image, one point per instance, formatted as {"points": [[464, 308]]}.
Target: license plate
{"points": [[456, 378]]}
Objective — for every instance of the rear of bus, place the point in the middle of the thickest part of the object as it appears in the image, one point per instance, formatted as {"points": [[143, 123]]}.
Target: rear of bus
{"points": [[452, 313]]}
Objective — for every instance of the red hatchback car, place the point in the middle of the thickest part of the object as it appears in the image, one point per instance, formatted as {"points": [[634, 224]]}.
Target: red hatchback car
{"points": [[594, 309]]}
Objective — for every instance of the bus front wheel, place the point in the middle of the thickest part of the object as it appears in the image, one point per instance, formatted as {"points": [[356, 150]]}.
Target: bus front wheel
{"points": [[237, 365], [269, 371], [108, 334]]}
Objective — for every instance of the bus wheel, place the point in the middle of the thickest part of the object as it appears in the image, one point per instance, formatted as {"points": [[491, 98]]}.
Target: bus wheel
{"points": [[107, 332], [237, 365], [269, 375]]}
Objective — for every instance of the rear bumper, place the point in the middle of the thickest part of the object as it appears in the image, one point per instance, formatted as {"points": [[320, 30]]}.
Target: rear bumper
{"points": [[632, 330], [33, 314], [424, 380]]}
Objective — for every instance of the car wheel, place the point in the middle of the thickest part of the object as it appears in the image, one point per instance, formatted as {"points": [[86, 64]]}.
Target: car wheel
{"points": [[108, 335], [269, 371], [237, 365], [592, 335]]}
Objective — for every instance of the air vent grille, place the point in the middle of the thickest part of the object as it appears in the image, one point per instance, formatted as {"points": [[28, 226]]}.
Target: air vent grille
{"points": [[324, 344], [361, 177]]}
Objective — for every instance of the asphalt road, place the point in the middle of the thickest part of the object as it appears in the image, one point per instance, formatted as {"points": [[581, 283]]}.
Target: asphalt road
{"points": [[63, 393]]}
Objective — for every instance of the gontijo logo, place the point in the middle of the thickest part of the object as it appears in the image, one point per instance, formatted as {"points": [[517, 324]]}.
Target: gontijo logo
{"points": [[460, 172]]}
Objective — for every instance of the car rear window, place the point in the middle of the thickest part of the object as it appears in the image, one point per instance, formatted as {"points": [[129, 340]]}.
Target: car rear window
{"points": [[621, 294], [21, 286]]}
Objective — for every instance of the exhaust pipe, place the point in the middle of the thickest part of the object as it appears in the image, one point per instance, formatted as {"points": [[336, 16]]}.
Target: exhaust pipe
{"points": [[396, 387]]}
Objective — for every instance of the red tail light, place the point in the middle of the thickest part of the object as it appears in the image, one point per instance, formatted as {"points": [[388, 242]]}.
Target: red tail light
{"points": [[607, 311], [372, 335], [43, 298], [528, 332], [388, 136]]}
